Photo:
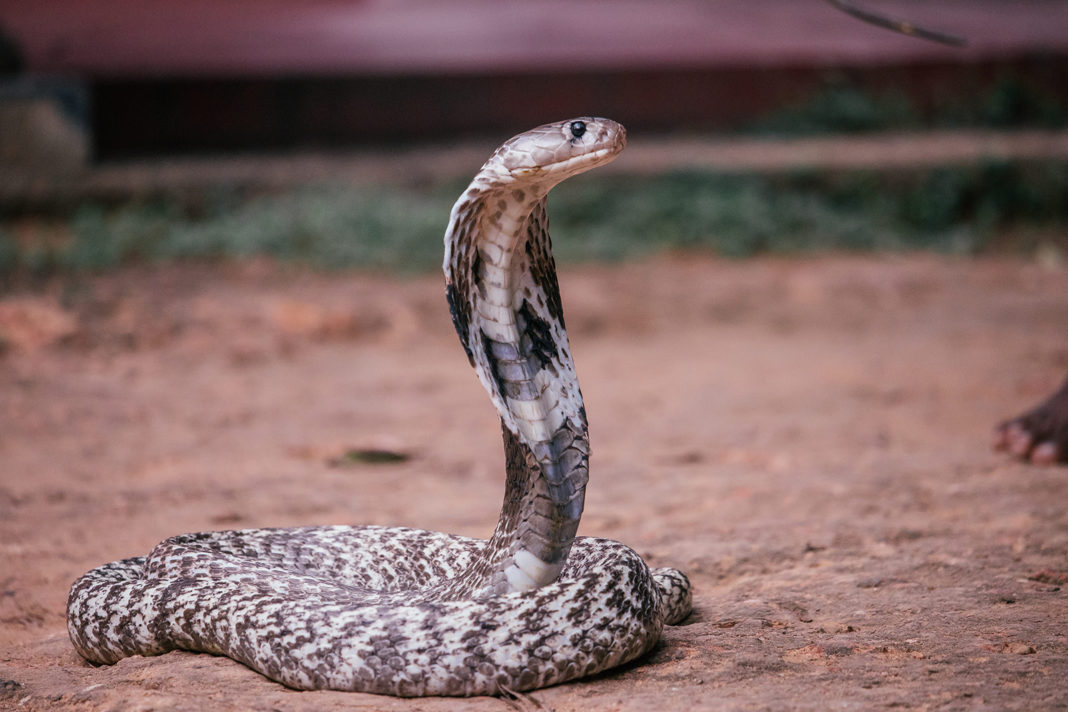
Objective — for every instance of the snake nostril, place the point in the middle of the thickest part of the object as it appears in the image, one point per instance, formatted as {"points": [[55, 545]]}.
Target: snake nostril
{"points": [[578, 128]]}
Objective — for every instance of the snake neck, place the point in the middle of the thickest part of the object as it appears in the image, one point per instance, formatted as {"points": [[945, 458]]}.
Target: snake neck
{"points": [[505, 302]]}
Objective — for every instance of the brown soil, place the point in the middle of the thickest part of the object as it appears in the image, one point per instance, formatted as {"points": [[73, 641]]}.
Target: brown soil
{"points": [[808, 439]]}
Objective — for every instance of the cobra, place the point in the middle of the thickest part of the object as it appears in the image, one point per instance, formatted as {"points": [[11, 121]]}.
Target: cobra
{"points": [[408, 612]]}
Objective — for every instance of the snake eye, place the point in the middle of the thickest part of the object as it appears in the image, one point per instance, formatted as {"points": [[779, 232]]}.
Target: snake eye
{"points": [[578, 128]]}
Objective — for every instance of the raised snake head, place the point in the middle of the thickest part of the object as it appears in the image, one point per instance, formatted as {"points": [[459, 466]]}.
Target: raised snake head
{"points": [[550, 153]]}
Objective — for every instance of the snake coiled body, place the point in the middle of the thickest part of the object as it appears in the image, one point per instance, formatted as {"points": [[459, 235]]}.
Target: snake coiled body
{"points": [[409, 612]]}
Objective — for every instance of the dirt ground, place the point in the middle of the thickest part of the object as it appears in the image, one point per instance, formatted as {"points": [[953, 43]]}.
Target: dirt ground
{"points": [[807, 438]]}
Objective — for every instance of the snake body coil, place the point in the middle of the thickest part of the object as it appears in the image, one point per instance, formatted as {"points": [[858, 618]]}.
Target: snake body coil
{"points": [[408, 612]]}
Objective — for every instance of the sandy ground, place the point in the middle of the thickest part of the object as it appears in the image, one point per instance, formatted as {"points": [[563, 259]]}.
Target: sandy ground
{"points": [[808, 439]]}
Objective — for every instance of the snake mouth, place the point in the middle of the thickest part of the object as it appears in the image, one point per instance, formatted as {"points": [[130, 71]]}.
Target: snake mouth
{"points": [[570, 166]]}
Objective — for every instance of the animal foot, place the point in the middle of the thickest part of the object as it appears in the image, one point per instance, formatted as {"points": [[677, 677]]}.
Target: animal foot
{"points": [[1039, 435]]}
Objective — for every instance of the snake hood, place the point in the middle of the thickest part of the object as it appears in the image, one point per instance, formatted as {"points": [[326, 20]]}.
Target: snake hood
{"points": [[505, 302]]}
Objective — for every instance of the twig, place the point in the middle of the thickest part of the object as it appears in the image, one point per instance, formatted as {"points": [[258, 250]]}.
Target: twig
{"points": [[905, 28], [520, 701]]}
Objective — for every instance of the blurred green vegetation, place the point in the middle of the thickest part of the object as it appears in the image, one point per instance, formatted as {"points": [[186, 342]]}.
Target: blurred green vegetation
{"points": [[964, 210], [959, 210], [841, 106]]}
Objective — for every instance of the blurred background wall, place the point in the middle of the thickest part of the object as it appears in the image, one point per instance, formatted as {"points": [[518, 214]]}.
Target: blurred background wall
{"points": [[112, 79]]}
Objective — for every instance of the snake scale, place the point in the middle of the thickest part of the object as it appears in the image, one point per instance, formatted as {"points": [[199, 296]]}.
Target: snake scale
{"points": [[407, 612]]}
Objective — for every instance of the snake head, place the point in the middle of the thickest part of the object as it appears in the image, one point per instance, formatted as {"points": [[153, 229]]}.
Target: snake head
{"points": [[550, 153]]}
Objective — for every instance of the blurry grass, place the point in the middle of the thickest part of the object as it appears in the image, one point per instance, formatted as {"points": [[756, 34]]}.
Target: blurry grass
{"points": [[326, 227], [841, 106], [958, 210]]}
